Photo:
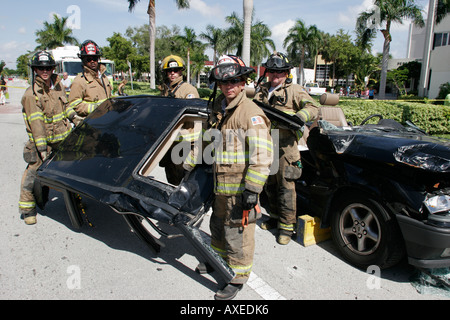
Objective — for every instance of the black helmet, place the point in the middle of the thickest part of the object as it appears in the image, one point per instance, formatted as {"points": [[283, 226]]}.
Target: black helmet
{"points": [[277, 61], [228, 67], [42, 59], [89, 48]]}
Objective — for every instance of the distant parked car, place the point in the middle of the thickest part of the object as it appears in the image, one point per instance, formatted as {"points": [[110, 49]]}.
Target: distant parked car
{"points": [[314, 89]]}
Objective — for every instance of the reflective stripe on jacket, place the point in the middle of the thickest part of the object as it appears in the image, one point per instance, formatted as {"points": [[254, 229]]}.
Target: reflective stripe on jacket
{"points": [[88, 91], [244, 154], [44, 113]]}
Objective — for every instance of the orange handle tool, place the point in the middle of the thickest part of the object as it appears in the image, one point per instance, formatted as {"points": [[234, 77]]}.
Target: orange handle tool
{"points": [[245, 215]]}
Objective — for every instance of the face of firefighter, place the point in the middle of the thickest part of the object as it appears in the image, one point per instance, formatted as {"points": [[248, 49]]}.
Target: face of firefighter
{"points": [[276, 77], [91, 62], [174, 74], [231, 88], [44, 72]]}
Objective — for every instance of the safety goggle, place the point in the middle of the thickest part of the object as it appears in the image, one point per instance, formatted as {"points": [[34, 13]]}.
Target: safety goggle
{"points": [[275, 62], [226, 71]]}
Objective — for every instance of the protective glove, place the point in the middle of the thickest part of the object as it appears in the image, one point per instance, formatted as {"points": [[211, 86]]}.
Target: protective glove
{"points": [[43, 155], [76, 120], [249, 199]]}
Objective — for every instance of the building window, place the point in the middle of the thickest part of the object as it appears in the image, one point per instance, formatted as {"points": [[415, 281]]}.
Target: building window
{"points": [[440, 39]]}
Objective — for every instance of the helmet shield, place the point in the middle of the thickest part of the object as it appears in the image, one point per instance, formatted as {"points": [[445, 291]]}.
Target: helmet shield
{"points": [[229, 67], [226, 71]]}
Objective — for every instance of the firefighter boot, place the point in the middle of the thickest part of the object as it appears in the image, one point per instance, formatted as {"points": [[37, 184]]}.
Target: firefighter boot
{"points": [[29, 219], [284, 237], [229, 292]]}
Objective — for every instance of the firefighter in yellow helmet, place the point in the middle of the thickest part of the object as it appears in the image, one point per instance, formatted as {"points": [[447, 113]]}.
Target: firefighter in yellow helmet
{"points": [[243, 155], [280, 93], [90, 88], [174, 86], [44, 104]]}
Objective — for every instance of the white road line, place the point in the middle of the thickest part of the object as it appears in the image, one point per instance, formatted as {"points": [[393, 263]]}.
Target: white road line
{"points": [[263, 289]]}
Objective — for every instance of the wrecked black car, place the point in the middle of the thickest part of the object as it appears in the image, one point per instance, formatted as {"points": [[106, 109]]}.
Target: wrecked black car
{"points": [[113, 157], [383, 189]]}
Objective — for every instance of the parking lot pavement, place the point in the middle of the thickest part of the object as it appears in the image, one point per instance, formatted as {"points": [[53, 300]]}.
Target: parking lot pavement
{"points": [[52, 260]]}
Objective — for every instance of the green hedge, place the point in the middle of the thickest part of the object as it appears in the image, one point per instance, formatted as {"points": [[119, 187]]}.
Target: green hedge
{"points": [[433, 119]]}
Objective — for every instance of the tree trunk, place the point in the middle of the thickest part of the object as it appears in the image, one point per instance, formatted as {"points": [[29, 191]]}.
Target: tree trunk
{"points": [[152, 32], [384, 62], [248, 10], [189, 65]]}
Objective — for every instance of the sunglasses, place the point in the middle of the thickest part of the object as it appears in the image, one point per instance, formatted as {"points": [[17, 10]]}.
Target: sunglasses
{"points": [[44, 68], [232, 81], [276, 71], [89, 59]]}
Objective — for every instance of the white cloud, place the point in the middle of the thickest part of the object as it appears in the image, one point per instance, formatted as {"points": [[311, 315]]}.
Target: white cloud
{"points": [[204, 9], [280, 31], [10, 51], [22, 30]]}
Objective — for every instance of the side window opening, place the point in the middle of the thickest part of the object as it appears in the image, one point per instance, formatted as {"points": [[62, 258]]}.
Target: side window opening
{"points": [[172, 150]]}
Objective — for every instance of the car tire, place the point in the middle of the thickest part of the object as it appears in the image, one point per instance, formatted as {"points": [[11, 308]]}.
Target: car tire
{"points": [[365, 234]]}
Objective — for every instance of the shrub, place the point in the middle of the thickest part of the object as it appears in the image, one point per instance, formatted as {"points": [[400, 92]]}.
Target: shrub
{"points": [[434, 119]]}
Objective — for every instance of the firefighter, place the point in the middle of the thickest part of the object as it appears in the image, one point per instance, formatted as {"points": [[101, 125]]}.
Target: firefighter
{"points": [[44, 104], [174, 86], [89, 88], [172, 67], [280, 93], [243, 155]]}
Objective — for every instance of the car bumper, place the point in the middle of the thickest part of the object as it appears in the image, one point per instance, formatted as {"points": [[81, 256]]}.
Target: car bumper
{"points": [[427, 246]]}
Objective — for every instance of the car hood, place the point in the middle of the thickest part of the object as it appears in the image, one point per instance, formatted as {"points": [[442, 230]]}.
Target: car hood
{"points": [[394, 147]]}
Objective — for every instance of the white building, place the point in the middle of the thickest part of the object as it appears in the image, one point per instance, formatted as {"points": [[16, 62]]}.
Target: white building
{"points": [[436, 53]]}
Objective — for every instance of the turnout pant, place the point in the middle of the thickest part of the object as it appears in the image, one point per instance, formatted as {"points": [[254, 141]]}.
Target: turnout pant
{"points": [[230, 239], [280, 190]]}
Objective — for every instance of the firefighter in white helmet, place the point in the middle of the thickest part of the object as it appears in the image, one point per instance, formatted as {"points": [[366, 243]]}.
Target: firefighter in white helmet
{"points": [[243, 155]]}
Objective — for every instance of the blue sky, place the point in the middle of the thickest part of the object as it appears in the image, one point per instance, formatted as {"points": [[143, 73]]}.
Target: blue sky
{"points": [[99, 19]]}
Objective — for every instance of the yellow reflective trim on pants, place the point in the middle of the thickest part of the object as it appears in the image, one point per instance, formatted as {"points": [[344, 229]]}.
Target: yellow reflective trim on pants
{"points": [[27, 205], [287, 227], [242, 270], [220, 252]]}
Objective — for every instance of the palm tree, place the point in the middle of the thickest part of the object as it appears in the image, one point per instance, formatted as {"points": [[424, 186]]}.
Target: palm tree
{"points": [[248, 13], [181, 4], [300, 39], [213, 36], [260, 41], [190, 42], [55, 34], [198, 64], [387, 12]]}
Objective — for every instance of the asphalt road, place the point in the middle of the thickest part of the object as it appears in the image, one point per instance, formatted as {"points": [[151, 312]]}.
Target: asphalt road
{"points": [[52, 260]]}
